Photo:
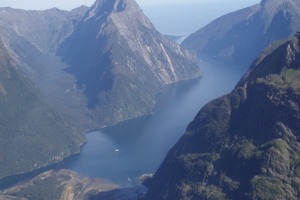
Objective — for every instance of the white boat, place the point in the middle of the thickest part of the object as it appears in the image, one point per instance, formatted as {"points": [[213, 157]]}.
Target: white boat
{"points": [[129, 180], [116, 150]]}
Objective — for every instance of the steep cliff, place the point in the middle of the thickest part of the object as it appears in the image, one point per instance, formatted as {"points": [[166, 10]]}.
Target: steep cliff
{"points": [[244, 145], [243, 34]]}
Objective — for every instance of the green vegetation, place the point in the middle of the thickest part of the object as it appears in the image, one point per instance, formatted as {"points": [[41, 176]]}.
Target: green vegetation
{"points": [[49, 188], [289, 78], [200, 191], [244, 149], [266, 188], [254, 131], [55, 185], [199, 165], [32, 134]]}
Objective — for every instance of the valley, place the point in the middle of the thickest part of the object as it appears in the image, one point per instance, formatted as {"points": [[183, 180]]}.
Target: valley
{"points": [[142, 143], [123, 66], [176, 106], [93, 98]]}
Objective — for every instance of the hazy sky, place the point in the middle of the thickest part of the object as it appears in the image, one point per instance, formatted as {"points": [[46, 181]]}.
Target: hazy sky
{"points": [[69, 4], [177, 17]]}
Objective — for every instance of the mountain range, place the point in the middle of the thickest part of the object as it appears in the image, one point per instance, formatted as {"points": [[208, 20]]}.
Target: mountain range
{"points": [[244, 145], [67, 72], [240, 36]]}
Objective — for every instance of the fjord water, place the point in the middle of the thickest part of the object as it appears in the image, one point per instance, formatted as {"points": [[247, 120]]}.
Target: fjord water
{"points": [[124, 152], [143, 143]]}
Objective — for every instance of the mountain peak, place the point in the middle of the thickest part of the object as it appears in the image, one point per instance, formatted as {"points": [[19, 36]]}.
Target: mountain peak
{"points": [[269, 2], [106, 7], [122, 46]]}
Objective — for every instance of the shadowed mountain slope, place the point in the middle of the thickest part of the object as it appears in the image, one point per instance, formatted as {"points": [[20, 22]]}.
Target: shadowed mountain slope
{"points": [[244, 145], [32, 134]]}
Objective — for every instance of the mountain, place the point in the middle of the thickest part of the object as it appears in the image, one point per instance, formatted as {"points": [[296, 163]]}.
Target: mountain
{"points": [[99, 65], [243, 34], [122, 62], [45, 30], [32, 133], [67, 72], [32, 39], [244, 145]]}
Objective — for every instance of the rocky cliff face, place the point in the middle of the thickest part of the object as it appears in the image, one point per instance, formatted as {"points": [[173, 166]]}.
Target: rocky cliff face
{"points": [[244, 145], [122, 61], [243, 34], [32, 134]]}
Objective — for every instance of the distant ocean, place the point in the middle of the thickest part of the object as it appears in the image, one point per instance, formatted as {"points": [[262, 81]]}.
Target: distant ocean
{"points": [[184, 19]]}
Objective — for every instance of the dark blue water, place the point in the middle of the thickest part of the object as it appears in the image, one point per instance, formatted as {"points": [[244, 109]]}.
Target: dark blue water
{"points": [[143, 143]]}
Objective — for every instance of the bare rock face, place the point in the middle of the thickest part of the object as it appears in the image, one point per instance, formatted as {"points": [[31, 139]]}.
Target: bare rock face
{"points": [[242, 35], [244, 145]]}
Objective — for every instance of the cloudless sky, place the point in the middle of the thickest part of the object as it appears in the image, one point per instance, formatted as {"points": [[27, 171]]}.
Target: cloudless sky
{"points": [[178, 17], [69, 4]]}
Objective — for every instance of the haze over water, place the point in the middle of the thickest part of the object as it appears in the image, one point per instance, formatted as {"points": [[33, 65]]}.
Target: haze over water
{"points": [[186, 18]]}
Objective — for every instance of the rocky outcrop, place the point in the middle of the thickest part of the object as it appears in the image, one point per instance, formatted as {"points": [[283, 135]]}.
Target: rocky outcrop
{"points": [[244, 145], [242, 35]]}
